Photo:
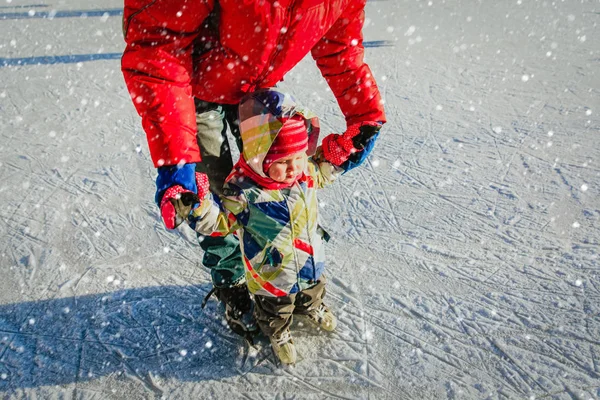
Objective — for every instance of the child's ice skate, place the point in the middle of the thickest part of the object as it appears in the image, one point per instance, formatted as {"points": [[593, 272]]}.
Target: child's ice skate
{"points": [[283, 347], [322, 317], [239, 310]]}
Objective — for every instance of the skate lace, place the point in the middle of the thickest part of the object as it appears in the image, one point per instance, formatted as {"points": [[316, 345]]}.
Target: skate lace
{"points": [[320, 312], [285, 337]]}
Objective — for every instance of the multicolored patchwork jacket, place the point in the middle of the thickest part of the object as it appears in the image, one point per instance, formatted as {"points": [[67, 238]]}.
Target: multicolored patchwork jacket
{"points": [[280, 237]]}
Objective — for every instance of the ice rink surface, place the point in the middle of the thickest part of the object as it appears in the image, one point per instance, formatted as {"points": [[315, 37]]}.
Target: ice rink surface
{"points": [[464, 259]]}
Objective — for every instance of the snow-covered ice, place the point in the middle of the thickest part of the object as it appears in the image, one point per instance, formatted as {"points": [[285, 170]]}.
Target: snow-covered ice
{"points": [[464, 259]]}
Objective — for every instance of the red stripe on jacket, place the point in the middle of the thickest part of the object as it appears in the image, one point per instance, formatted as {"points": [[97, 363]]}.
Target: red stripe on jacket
{"points": [[264, 284], [305, 247]]}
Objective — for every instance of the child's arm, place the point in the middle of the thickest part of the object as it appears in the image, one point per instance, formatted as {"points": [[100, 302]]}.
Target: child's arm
{"points": [[322, 171], [326, 172], [217, 216]]}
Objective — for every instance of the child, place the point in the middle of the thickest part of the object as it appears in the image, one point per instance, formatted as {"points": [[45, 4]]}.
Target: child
{"points": [[270, 202]]}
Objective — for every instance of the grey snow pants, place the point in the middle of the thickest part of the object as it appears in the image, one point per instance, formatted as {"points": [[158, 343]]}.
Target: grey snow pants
{"points": [[274, 314], [222, 255]]}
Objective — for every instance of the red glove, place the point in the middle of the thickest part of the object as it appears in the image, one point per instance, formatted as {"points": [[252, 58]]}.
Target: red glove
{"points": [[177, 203], [337, 149]]}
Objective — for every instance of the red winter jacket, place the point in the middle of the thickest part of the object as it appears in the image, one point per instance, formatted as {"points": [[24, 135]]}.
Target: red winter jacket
{"points": [[173, 54]]}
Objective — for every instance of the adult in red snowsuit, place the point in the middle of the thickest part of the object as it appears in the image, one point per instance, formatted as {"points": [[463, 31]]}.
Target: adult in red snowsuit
{"points": [[187, 65]]}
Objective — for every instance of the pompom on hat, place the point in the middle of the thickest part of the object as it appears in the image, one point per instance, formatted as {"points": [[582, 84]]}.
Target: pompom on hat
{"points": [[291, 139]]}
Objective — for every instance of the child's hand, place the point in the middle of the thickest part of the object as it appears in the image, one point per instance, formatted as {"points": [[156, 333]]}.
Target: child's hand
{"points": [[350, 149]]}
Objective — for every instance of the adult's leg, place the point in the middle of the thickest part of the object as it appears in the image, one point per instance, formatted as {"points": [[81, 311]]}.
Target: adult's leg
{"points": [[221, 254], [232, 117]]}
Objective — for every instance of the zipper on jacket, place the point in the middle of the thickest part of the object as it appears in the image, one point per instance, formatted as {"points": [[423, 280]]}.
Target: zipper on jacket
{"points": [[286, 24], [292, 235], [308, 233]]}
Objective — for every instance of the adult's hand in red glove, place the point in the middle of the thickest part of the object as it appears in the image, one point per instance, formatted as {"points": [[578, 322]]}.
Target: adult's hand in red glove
{"points": [[177, 202], [351, 148]]}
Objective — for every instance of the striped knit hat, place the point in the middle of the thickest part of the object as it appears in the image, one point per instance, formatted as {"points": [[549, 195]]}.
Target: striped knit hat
{"points": [[291, 139]]}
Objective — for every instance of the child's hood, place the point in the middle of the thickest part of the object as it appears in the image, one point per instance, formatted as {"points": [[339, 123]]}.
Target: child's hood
{"points": [[261, 114]]}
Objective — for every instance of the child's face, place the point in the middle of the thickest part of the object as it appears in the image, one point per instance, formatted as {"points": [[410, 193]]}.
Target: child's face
{"points": [[288, 169]]}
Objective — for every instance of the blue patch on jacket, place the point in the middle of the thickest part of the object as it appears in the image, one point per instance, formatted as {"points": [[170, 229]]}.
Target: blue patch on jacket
{"points": [[294, 289], [278, 211], [311, 271], [251, 248], [274, 256], [243, 217]]}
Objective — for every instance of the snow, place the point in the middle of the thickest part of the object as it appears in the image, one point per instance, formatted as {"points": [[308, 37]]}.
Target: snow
{"points": [[464, 255]]}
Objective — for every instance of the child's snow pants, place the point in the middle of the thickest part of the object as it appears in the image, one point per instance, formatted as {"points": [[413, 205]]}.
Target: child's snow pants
{"points": [[274, 314]]}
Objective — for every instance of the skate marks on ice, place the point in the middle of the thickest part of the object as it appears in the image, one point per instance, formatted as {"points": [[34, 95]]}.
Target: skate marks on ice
{"points": [[479, 283], [471, 335], [52, 24], [153, 341], [150, 335], [387, 344], [478, 237], [327, 367], [464, 255]]}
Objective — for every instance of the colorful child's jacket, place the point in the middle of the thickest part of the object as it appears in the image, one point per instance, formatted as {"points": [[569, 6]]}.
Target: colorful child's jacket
{"points": [[280, 238]]}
